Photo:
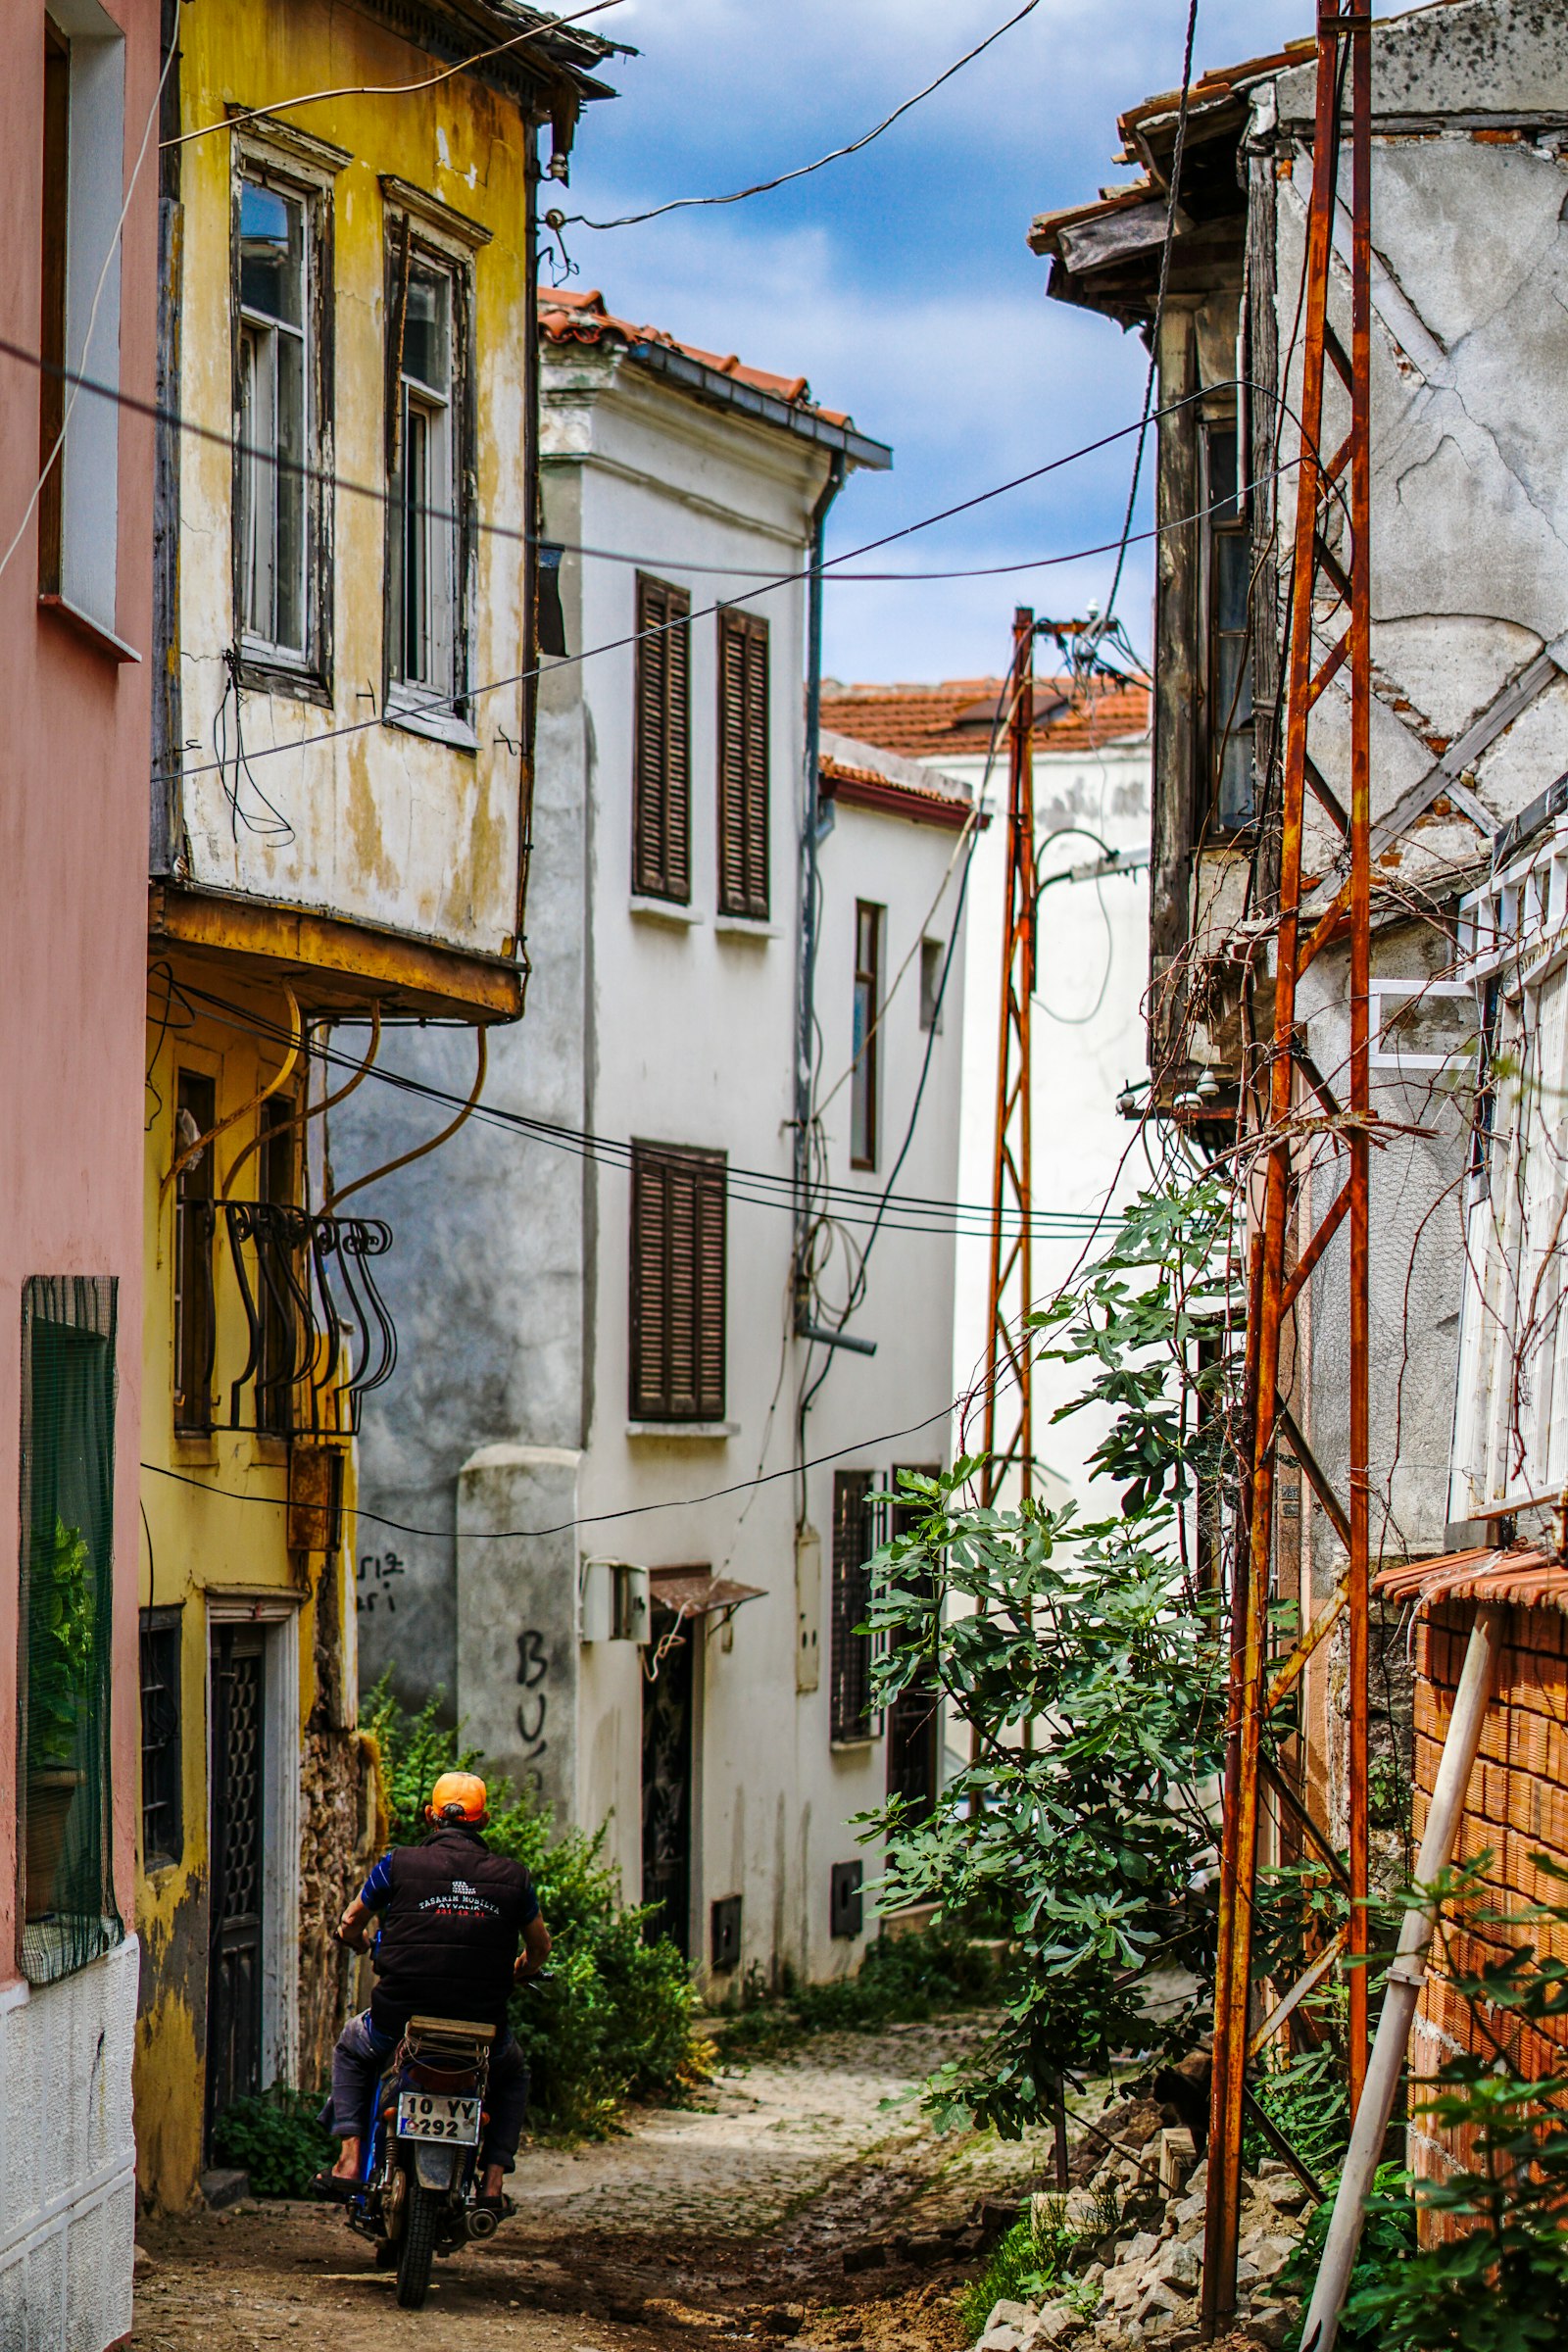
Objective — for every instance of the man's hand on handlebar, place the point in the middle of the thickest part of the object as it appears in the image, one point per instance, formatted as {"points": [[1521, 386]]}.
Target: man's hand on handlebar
{"points": [[353, 1928], [535, 1953]]}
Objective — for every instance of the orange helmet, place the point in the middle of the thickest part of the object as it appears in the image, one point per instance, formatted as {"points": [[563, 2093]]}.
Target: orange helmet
{"points": [[459, 1796]]}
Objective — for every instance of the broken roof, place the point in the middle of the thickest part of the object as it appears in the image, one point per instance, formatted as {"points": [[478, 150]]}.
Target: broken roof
{"points": [[1521, 1576], [957, 717], [566, 316]]}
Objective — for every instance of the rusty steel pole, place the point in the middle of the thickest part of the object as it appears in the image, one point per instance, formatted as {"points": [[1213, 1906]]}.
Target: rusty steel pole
{"points": [[1345, 624], [1007, 1349]]}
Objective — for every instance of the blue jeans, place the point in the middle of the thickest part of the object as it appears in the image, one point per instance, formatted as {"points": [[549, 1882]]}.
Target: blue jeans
{"points": [[359, 2059]]}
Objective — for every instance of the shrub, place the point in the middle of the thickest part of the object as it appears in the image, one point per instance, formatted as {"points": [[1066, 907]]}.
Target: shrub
{"points": [[1033, 2263], [615, 2020], [275, 2138], [902, 1979]]}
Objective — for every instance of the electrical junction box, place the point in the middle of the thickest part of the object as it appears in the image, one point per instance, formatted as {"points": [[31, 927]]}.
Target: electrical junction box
{"points": [[846, 1904], [615, 1601], [808, 1608], [724, 1933]]}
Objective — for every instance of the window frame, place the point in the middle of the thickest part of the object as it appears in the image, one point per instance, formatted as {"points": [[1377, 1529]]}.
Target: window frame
{"points": [[662, 1166], [193, 1269], [421, 240], [1227, 540], [164, 1626], [302, 171], [865, 1039], [662, 803], [743, 764], [859, 1527], [79, 532]]}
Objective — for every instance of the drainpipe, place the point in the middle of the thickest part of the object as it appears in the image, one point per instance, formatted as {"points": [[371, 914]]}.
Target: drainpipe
{"points": [[1404, 1988], [810, 803]]}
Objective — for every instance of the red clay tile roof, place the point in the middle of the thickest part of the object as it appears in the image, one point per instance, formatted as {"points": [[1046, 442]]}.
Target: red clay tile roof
{"points": [[1521, 1577], [567, 316], [929, 803], [955, 718]]}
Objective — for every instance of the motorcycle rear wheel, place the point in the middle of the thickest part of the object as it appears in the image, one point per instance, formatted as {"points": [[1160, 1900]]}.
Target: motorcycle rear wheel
{"points": [[416, 2246]]}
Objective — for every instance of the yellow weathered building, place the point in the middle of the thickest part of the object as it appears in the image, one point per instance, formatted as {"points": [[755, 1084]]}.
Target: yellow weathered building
{"points": [[341, 798]]}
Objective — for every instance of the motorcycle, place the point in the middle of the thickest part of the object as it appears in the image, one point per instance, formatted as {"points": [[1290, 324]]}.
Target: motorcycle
{"points": [[422, 2151]]}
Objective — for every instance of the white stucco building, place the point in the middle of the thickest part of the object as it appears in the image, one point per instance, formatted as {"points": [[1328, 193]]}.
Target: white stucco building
{"points": [[1090, 778], [646, 1607]]}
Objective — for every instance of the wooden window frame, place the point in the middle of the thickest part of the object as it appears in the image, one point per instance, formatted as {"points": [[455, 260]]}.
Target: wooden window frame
{"points": [[194, 1268], [1227, 540], [161, 1633], [743, 764], [676, 1369], [661, 741], [866, 1037], [439, 707], [303, 673], [858, 1534]]}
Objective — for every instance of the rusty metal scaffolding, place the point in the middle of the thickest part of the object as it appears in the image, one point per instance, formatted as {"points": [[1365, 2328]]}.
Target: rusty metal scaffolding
{"points": [[1012, 1291], [1329, 633]]}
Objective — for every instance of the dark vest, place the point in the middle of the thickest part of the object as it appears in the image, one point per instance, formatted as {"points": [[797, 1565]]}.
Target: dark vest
{"points": [[450, 1932]]}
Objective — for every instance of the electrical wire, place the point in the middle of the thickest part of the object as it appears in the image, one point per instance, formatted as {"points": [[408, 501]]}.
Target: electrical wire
{"points": [[386, 89], [679, 204], [757, 1187]]}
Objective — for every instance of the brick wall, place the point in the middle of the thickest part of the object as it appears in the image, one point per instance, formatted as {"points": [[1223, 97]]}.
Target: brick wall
{"points": [[1516, 1808]]}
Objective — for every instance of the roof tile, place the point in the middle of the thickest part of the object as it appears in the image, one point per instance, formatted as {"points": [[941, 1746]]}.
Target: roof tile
{"points": [[954, 719], [568, 315]]}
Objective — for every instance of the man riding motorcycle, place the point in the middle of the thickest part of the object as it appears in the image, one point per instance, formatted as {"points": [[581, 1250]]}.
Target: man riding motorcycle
{"points": [[451, 1914]]}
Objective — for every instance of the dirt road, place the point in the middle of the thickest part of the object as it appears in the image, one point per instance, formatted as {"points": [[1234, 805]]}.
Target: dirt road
{"points": [[725, 2218]]}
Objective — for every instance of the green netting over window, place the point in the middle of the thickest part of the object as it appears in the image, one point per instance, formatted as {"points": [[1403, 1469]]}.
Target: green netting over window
{"points": [[68, 1477]]}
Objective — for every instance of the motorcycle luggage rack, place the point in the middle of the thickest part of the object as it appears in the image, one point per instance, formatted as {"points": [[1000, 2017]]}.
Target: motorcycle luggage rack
{"points": [[450, 2038]]}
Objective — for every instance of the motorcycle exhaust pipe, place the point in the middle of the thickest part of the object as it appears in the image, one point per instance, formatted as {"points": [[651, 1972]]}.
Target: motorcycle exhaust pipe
{"points": [[481, 2222]]}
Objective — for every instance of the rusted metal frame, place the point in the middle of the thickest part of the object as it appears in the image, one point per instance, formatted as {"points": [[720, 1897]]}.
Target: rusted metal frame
{"points": [[1307, 1264], [1318, 1476], [1326, 930], [1011, 1166], [1333, 664], [1233, 1975], [1287, 2008], [1329, 562], [1360, 1148], [1316, 1835], [1328, 801], [1315, 1078], [1284, 1681], [1337, 355]]}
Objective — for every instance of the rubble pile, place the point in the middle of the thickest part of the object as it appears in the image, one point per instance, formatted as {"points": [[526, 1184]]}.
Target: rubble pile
{"points": [[1139, 2259]]}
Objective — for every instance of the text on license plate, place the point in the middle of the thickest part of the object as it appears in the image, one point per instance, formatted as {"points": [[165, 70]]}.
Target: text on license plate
{"points": [[428, 2115]]}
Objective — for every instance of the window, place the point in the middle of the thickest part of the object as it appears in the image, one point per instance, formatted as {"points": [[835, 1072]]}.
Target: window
{"points": [[79, 327], [865, 1039], [430, 468], [277, 587], [67, 1592], [914, 1718], [855, 1537], [162, 1824], [743, 765], [661, 783], [1230, 655], [195, 1302], [933, 962], [677, 1284], [277, 1270]]}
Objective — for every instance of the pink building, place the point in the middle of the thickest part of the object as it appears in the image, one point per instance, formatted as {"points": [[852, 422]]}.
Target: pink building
{"points": [[77, 285]]}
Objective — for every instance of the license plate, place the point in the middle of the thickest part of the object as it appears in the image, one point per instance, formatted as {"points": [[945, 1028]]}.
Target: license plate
{"points": [[428, 2115]]}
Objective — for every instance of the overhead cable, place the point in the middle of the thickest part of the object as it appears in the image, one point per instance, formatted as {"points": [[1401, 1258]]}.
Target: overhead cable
{"points": [[762, 187]]}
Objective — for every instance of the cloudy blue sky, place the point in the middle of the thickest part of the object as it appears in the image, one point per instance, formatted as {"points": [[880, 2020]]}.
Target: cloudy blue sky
{"points": [[898, 281]]}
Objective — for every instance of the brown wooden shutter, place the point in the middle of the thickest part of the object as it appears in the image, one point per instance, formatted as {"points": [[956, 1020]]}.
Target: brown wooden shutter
{"points": [[742, 764], [662, 751], [677, 1285]]}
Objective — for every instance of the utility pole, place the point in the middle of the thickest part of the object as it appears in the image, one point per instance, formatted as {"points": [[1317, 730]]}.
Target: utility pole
{"points": [[1330, 632], [1012, 1291]]}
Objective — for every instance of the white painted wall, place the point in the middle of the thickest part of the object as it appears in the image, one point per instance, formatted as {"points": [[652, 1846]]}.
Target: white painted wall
{"points": [[67, 2179], [510, 1272]]}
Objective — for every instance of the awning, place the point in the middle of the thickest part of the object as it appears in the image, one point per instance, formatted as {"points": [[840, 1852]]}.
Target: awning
{"points": [[697, 1592], [1522, 1576]]}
